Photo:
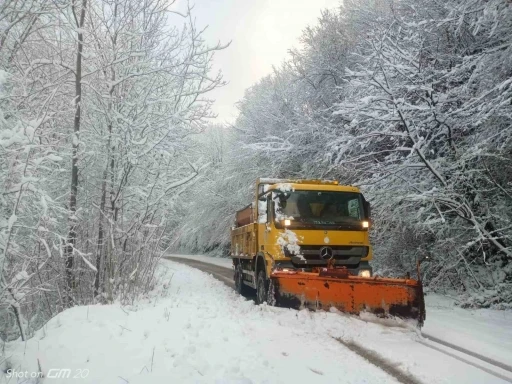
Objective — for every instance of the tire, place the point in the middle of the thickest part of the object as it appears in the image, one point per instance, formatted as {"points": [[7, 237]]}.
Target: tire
{"points": [[240, 287], [261, 287]]}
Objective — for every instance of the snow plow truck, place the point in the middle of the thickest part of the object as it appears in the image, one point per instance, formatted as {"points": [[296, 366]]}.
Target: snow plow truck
{"points": [[305, 244]]}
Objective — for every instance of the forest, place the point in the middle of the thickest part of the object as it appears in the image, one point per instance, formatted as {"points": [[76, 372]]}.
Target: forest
{"points": [[98, 102], [110, 156]]}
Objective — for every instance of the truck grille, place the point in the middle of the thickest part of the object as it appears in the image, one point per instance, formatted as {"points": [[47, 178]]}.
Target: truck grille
{"points": [[339, 252]]}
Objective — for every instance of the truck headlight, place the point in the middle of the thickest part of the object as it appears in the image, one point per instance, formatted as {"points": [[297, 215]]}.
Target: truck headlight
{"points": [[365, 273], [365, 224], [287, 222]]}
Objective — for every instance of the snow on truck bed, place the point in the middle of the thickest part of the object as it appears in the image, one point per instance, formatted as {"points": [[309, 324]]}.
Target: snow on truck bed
{"points": [[195, 329]]}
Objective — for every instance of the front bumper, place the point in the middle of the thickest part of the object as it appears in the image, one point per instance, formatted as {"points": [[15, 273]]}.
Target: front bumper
{"points": [[308, 266]]}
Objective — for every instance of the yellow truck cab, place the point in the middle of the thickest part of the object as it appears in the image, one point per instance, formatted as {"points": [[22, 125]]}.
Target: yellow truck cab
{"points": [[300, 225]]}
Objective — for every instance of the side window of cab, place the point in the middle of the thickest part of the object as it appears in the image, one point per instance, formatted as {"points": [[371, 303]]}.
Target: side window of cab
{"points": [[264, 209]]}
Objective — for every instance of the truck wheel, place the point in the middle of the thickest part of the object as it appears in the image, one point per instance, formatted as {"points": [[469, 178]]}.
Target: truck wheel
{"points": [[240, 287], [261, 288]]}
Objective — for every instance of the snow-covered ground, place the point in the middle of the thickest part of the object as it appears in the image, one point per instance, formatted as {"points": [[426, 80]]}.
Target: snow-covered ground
{"points": [[195, 329], [485, 331]]}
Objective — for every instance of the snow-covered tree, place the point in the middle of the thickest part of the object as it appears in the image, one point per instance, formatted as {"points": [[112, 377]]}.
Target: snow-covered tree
{"points": [[98, 102]]}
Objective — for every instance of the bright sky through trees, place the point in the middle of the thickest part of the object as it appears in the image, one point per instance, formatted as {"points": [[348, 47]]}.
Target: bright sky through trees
{"points": [[261, 32]]}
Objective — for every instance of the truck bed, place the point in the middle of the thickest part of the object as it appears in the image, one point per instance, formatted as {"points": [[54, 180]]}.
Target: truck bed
{"points": [[244, 216], [244, 241]]}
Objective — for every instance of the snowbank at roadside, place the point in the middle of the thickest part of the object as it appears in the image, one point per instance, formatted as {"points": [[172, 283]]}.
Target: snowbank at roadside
{"points": [[194, 329]]}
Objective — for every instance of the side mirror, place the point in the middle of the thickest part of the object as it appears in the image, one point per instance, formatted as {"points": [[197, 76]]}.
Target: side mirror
{"points": [[425, 258], [418, 263], [263, 197]]}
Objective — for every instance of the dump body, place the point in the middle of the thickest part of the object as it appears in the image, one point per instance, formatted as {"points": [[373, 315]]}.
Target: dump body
{"points": [[305, 243], [244, 216]]}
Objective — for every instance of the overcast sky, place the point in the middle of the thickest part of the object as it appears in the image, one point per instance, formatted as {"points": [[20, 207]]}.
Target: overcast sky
{"points": [[261, 31]]}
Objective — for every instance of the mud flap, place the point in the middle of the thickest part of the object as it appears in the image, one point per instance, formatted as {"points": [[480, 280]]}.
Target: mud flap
{"points": [[351, 294]]}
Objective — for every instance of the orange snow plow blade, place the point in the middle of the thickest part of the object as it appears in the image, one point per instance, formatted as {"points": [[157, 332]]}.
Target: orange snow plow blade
{"points": [[352, 294]]}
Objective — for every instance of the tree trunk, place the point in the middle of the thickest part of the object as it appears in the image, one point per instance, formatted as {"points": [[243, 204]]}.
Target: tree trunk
{"points": [[71, 238], [101, 234]]}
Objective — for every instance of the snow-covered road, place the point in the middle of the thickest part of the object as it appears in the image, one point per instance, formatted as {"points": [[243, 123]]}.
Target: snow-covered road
{"points": [[485, 331], [195, 329]]}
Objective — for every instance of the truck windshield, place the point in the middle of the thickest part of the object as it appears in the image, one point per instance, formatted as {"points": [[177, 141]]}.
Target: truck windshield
{"points": [[304, 209]]}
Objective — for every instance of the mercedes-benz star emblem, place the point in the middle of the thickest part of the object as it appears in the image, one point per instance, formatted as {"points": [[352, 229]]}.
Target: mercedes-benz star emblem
{"points": [[326, 253]]}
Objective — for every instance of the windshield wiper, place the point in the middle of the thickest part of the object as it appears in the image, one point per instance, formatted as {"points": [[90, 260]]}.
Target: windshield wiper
{"points": [[348, 226]]}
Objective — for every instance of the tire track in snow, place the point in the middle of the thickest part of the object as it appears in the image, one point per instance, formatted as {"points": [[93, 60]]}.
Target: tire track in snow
{"points": [[379, 361], [478, 356], [465, 360]]}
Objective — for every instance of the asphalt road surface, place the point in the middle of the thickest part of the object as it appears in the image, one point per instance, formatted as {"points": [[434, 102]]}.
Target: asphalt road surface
{"points": [[220, 273]]}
